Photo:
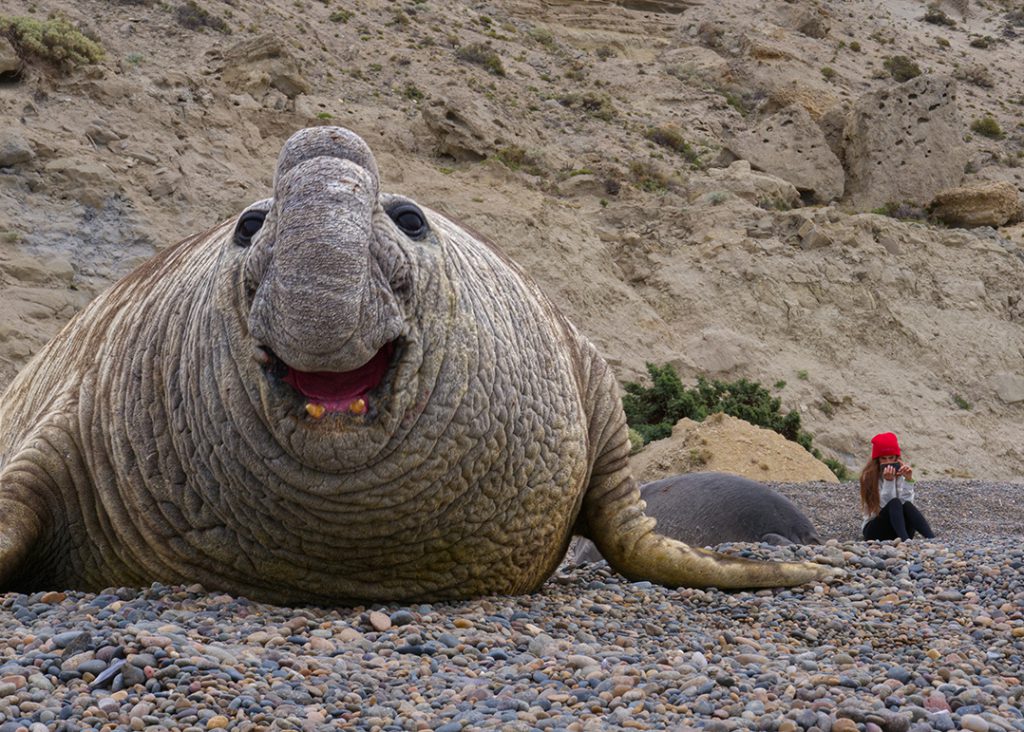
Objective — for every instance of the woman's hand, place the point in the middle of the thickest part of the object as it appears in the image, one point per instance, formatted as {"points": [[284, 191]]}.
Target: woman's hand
{"points": [[906, 471], [889, 473]]}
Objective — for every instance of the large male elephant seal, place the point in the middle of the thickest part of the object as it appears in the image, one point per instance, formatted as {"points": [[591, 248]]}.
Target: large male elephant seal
{"points": [[338, 396], [704, 509]]}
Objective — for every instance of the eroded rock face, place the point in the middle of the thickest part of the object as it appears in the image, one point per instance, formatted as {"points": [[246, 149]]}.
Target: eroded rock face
{"points": [[981, 204], [761, 189], [812, 22], [791, 146], [462, 127], [904, 144], [263, 63]]}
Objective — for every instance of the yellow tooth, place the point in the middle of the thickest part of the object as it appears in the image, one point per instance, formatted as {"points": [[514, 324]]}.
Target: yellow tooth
{"points": [[316, 411], [357, 407]]}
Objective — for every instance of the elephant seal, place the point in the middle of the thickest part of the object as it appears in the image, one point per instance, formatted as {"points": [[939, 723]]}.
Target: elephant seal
{"points": [[705, 509], [338, 396]]}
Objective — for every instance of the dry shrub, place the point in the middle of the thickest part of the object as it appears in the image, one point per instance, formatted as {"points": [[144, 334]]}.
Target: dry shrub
{"points": [[54, 40]]}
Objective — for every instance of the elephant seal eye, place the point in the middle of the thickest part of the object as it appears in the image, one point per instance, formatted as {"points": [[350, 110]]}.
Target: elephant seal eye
{"points": [[410, 219], [248, 224]]}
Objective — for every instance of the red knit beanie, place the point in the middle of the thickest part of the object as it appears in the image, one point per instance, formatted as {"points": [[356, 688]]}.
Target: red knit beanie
{"points": [[884, 444]]}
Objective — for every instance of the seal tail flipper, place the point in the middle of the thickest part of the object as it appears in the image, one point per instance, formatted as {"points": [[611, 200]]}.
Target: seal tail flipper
{"points": [[637, 551], [612, 514]]}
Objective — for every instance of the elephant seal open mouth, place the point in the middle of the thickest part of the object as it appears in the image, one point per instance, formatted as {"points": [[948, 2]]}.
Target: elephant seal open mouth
{"points": [[333, 392]]}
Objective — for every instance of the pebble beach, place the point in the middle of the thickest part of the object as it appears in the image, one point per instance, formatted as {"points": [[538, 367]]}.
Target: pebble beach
{"points": [[918, 635]]}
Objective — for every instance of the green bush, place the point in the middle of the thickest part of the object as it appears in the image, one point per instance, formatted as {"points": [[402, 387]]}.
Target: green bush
{"points": [[193, 16], [594, 104], [936, 16], [648, 176], [901, 68], [671, 137], [482, 55], [653, 410], [54, 40], [988, 126], [838, 469], [902, 210]]}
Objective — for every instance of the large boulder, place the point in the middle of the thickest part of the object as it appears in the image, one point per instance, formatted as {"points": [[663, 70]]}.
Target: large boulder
{"points": [[791, 146], [728, 445], [904, 143], [760, 189], [10, 62], [992, 203], [14, 149]]}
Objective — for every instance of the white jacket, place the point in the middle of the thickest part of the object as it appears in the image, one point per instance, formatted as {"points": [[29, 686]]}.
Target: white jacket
{"points": [[889, 489]]}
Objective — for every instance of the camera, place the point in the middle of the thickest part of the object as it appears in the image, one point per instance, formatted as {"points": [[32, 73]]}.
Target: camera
{"points": [[895, 466]]}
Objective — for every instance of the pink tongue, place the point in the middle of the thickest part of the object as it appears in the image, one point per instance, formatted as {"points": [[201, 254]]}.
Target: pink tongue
{"points": [[337, 387]]}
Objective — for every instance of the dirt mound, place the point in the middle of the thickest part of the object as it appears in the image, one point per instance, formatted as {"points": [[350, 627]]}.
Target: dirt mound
{"points": [[729, 445]]}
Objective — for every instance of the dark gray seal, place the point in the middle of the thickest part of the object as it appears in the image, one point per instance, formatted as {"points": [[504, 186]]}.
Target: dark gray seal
{"points": [[705, 509]]}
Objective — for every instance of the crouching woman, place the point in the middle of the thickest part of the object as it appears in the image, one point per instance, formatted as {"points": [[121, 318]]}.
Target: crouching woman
{"points": [[887, 496]]}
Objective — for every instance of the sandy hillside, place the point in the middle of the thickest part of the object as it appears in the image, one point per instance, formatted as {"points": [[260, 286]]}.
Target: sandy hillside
{"points": [[616, 150]]}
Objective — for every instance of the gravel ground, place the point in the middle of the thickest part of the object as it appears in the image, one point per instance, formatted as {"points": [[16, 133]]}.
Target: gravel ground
{"points": [[917, 636], [956, 509]]}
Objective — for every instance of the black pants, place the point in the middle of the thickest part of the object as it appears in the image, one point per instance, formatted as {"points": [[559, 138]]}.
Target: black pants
{"points": [[897, 519]]}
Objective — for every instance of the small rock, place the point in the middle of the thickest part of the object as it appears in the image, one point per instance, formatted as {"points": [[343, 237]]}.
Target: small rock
{"points": [[379, 621], [543, 645], [402, 617], [1008, 387], [974, 723], [218, 721]]}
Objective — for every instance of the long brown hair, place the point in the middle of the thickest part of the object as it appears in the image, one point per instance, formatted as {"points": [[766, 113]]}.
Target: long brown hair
{"points": [[869, 498]]}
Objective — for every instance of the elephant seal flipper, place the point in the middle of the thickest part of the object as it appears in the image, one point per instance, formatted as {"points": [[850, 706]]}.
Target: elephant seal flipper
{"points": [[707, 509], [626, 536]]}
